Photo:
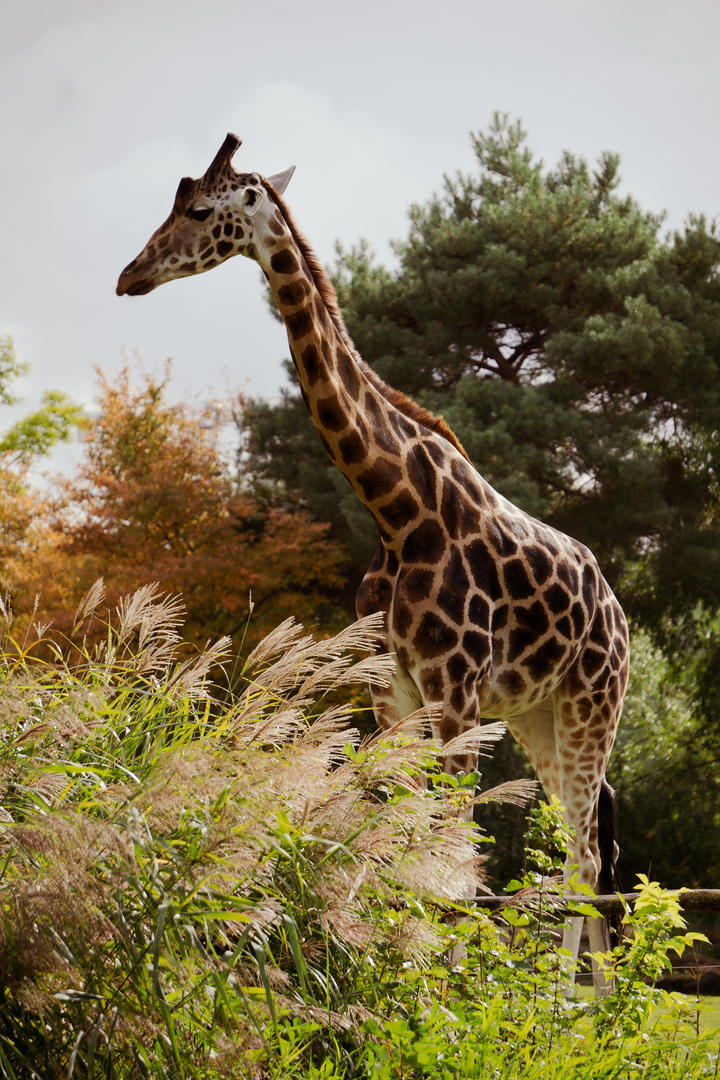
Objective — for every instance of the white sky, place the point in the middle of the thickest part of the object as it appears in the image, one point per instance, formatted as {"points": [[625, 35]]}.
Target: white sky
{"points": [[105, 105]]}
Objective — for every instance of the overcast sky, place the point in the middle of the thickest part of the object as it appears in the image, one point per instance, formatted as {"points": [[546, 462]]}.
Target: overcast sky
{"points": [[105, 105]]}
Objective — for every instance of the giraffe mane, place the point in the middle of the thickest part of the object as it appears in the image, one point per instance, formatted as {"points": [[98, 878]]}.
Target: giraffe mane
{"points": [[396, 398]]}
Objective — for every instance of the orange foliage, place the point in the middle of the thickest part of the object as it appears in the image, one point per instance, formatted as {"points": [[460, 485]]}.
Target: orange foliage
{"points": [[153, 500], [18, 510]]}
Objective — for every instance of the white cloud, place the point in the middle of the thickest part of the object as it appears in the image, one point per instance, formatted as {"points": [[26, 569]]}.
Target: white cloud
{"points": [[105, 106]]}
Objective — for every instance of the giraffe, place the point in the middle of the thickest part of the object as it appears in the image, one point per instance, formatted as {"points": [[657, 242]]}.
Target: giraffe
{"points": [[490, 613]]}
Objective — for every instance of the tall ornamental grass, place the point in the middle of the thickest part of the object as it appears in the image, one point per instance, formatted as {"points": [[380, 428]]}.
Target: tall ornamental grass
{"points": [[206, 884]]}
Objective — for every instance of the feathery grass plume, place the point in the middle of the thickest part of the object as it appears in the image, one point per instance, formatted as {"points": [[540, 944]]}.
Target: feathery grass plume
{"points": [[305, 667], [478, 739], [333, 673], [284, 637], [401, 753], [40, 629], [264, 727], [192, 675], [150, 613], [6, 621], [155, 620], [511, 792], [89, 603], [58, 899]]}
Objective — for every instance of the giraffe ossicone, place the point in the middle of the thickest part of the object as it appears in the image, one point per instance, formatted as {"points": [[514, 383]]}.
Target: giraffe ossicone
{"points": [[490, 612]]}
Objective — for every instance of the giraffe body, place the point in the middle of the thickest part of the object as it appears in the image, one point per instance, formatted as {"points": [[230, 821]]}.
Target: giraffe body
{"points": [[490, 612]]}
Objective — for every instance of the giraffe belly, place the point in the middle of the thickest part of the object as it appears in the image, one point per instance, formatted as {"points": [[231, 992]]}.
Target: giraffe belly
{"points": [[525, 669], [502, 695]]}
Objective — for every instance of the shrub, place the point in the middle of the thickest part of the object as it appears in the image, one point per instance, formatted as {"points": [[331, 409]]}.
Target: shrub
{"points": [[243, 888]]}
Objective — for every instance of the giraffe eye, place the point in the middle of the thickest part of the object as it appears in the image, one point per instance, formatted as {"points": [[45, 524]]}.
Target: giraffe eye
{"points": [[199, 213]]}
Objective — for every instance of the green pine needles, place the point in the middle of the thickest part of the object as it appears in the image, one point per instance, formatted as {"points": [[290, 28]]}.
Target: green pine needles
{"points": [[198, 883]]}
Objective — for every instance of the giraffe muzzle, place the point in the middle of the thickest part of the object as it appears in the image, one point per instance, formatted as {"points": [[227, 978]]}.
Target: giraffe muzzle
{"points": [[127, 286], [135, 280], [138, 288]]}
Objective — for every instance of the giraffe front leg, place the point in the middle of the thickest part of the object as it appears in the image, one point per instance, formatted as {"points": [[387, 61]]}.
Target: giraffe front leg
{"points": [[453, 716], [583, 866], [400, 698], [393, 702]]}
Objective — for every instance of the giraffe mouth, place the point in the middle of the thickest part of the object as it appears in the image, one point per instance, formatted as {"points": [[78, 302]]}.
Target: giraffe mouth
{"points": [[134, 288], [140, 288]]}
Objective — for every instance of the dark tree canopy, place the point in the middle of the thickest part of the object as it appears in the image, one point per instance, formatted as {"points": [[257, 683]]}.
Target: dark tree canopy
{"points": [[574, 350]]}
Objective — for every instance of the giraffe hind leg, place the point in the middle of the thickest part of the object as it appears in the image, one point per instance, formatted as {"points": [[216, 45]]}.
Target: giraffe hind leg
{"points": [[568, 743], [585, 730], [534, 731]]}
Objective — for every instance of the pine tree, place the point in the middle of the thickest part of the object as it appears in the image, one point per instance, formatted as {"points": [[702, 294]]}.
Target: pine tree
{"points": [[574, 350]]}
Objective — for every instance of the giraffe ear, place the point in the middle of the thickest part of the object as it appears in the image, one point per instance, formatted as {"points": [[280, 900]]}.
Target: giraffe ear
{"points": [[279, 181], [251, 199]]}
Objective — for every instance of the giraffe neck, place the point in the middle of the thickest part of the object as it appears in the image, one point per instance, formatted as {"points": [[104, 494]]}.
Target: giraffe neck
{"points": [[367, 436]]}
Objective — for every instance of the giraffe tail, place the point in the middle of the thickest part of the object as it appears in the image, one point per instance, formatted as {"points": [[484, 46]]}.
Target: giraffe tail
{"points": [[609, 878]]}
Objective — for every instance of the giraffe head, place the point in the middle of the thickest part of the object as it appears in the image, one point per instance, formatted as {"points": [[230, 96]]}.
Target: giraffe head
{"points": [[221, 214]]}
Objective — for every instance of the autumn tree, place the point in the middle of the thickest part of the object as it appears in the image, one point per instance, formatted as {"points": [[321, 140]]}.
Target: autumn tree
{"points": [[22, 443], [153, 500]]}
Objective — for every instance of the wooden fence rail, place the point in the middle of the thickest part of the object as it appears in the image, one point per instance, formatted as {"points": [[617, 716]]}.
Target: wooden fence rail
{"points": [[690, 973], [612, 904]]}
